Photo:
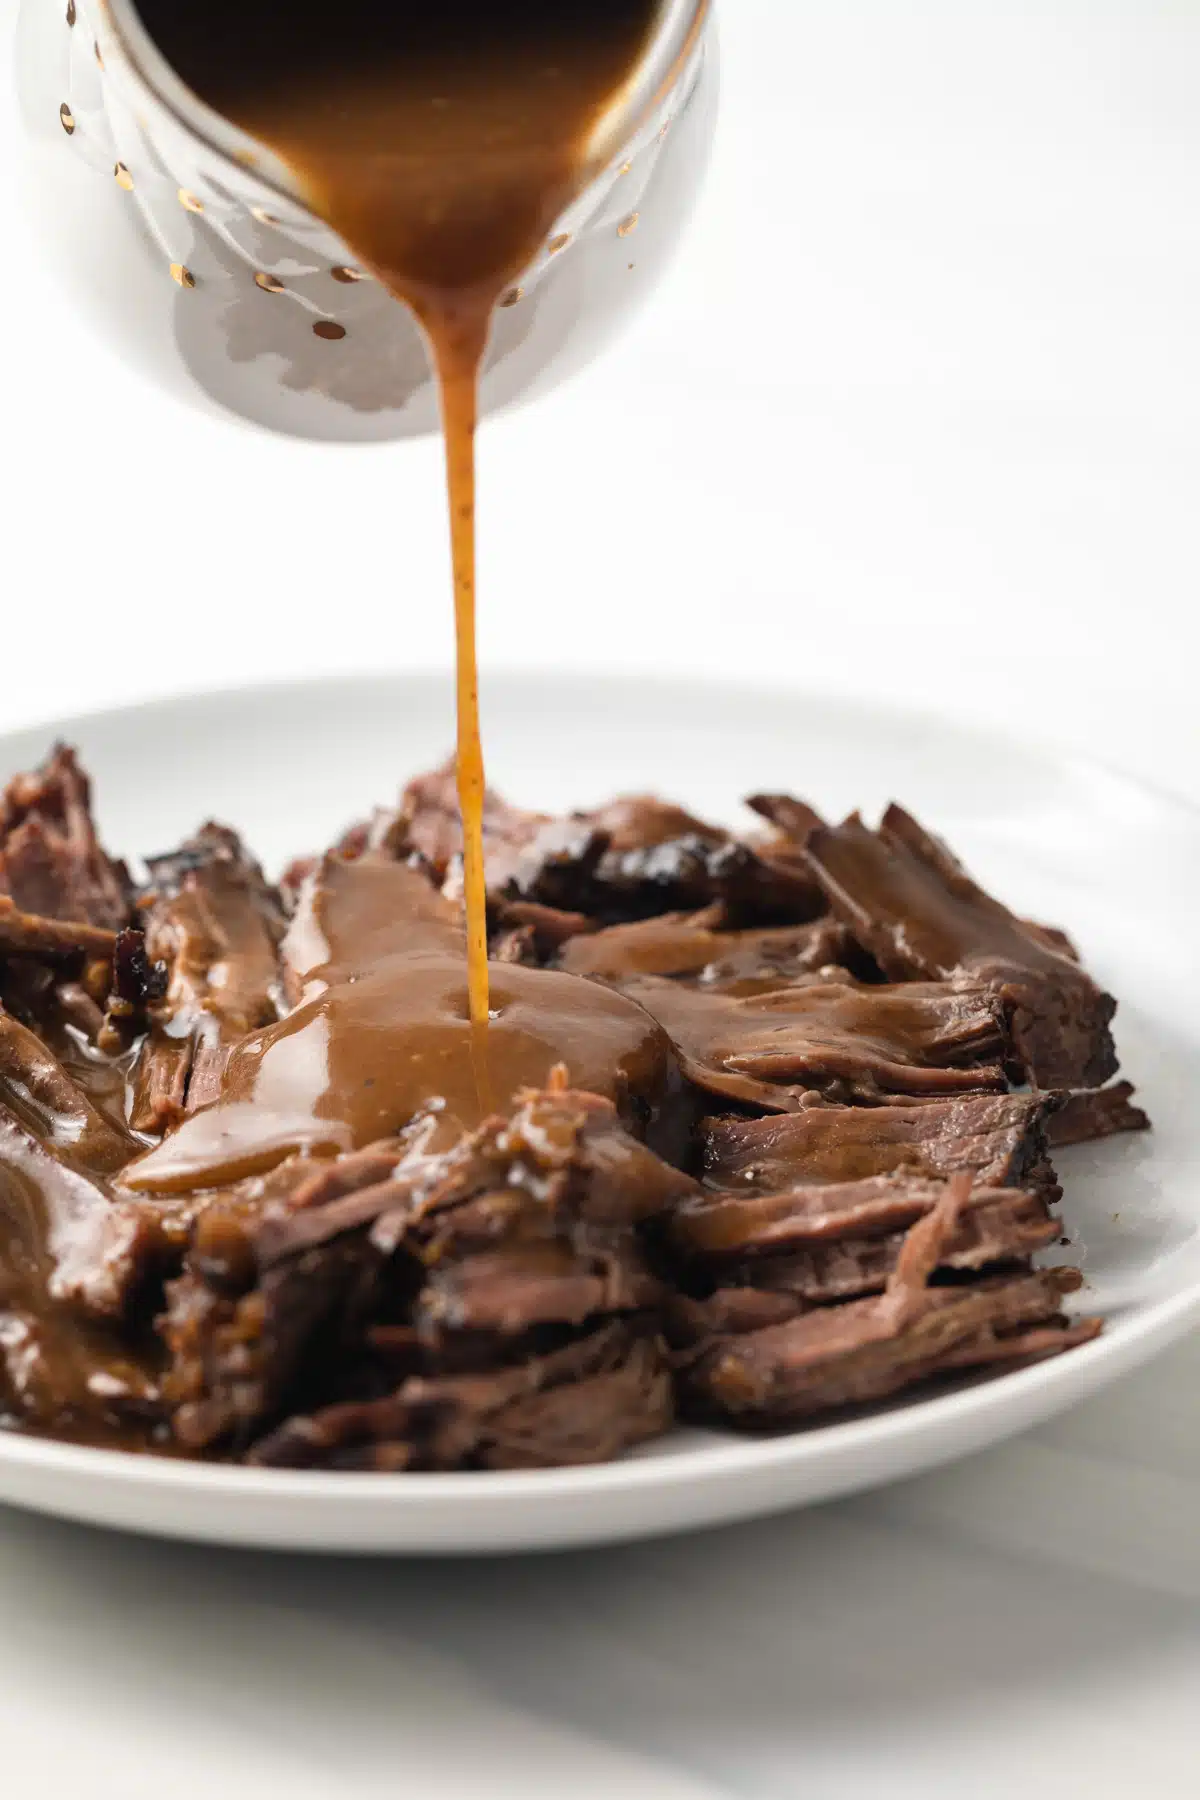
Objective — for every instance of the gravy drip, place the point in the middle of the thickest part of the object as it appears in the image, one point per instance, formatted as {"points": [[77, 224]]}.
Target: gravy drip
{"points": [[441, 139], [381, 1033]]}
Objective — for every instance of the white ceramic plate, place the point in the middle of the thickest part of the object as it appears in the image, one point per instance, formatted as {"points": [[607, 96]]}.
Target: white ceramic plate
{"points": [[1058, 839]]}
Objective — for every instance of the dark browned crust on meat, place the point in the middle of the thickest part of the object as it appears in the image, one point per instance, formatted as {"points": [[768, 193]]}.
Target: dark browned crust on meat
{"points": [[586, 1403], [633, 858], [920, 915], [998, 1139], [52, 863]]}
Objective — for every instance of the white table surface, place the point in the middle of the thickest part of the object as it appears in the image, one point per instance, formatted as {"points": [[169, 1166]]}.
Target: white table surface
{"points": [[965, 474]]}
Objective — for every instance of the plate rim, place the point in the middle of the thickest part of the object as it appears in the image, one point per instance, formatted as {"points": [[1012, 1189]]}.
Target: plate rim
{"points": [[1163, 1321], [1126, 1342], [1034, 742]]}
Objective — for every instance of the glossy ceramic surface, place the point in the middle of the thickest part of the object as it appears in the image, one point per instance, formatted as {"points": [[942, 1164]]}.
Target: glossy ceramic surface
{"points": [[251, 275], [1059, 839]]}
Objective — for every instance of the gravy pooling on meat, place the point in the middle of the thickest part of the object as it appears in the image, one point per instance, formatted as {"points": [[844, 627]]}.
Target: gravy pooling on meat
{"points": [[334, 1263], [383, 1028], [441, 141]]}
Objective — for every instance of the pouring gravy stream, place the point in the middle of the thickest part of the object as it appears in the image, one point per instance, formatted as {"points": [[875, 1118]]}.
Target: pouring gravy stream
{"points": [[441, 139]]}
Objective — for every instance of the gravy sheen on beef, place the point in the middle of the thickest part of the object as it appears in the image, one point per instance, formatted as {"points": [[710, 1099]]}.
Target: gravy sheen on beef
{"points": [[918, 912], [694, 946], [383, 1032], [256, 1204], [443, 145], [774, 1050], [214, 925]]}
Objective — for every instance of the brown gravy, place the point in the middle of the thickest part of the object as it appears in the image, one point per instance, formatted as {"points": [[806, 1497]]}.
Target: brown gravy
{"points": [[441, 139], [382, 1029]]}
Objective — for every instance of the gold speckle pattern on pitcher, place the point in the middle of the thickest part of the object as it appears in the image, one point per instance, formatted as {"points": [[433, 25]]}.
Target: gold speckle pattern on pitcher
{"points": [[119, 134]]}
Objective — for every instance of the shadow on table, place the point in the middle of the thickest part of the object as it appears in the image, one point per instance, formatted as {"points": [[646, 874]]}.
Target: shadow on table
{"points": [[769, 1660]]}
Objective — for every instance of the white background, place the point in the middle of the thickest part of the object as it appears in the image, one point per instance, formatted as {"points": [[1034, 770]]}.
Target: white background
{"points": [[916, 414]]}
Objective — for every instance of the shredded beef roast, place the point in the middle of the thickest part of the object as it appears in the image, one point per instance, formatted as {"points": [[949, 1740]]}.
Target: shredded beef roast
{"points": [[631, 859], [1091, 1113], [215, 926], [921, 916], [866, 1211], [1006, 1231], [999, 1139], [725, 1229], [794, 820], [775, 1050], [862, 1350], [837, 1356], [68, 1266], [458, 1262], [430, 822], [51, 859], [1001, 1228], [34, 1082], [587, 1402], [56, 940], [693, 947]]}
